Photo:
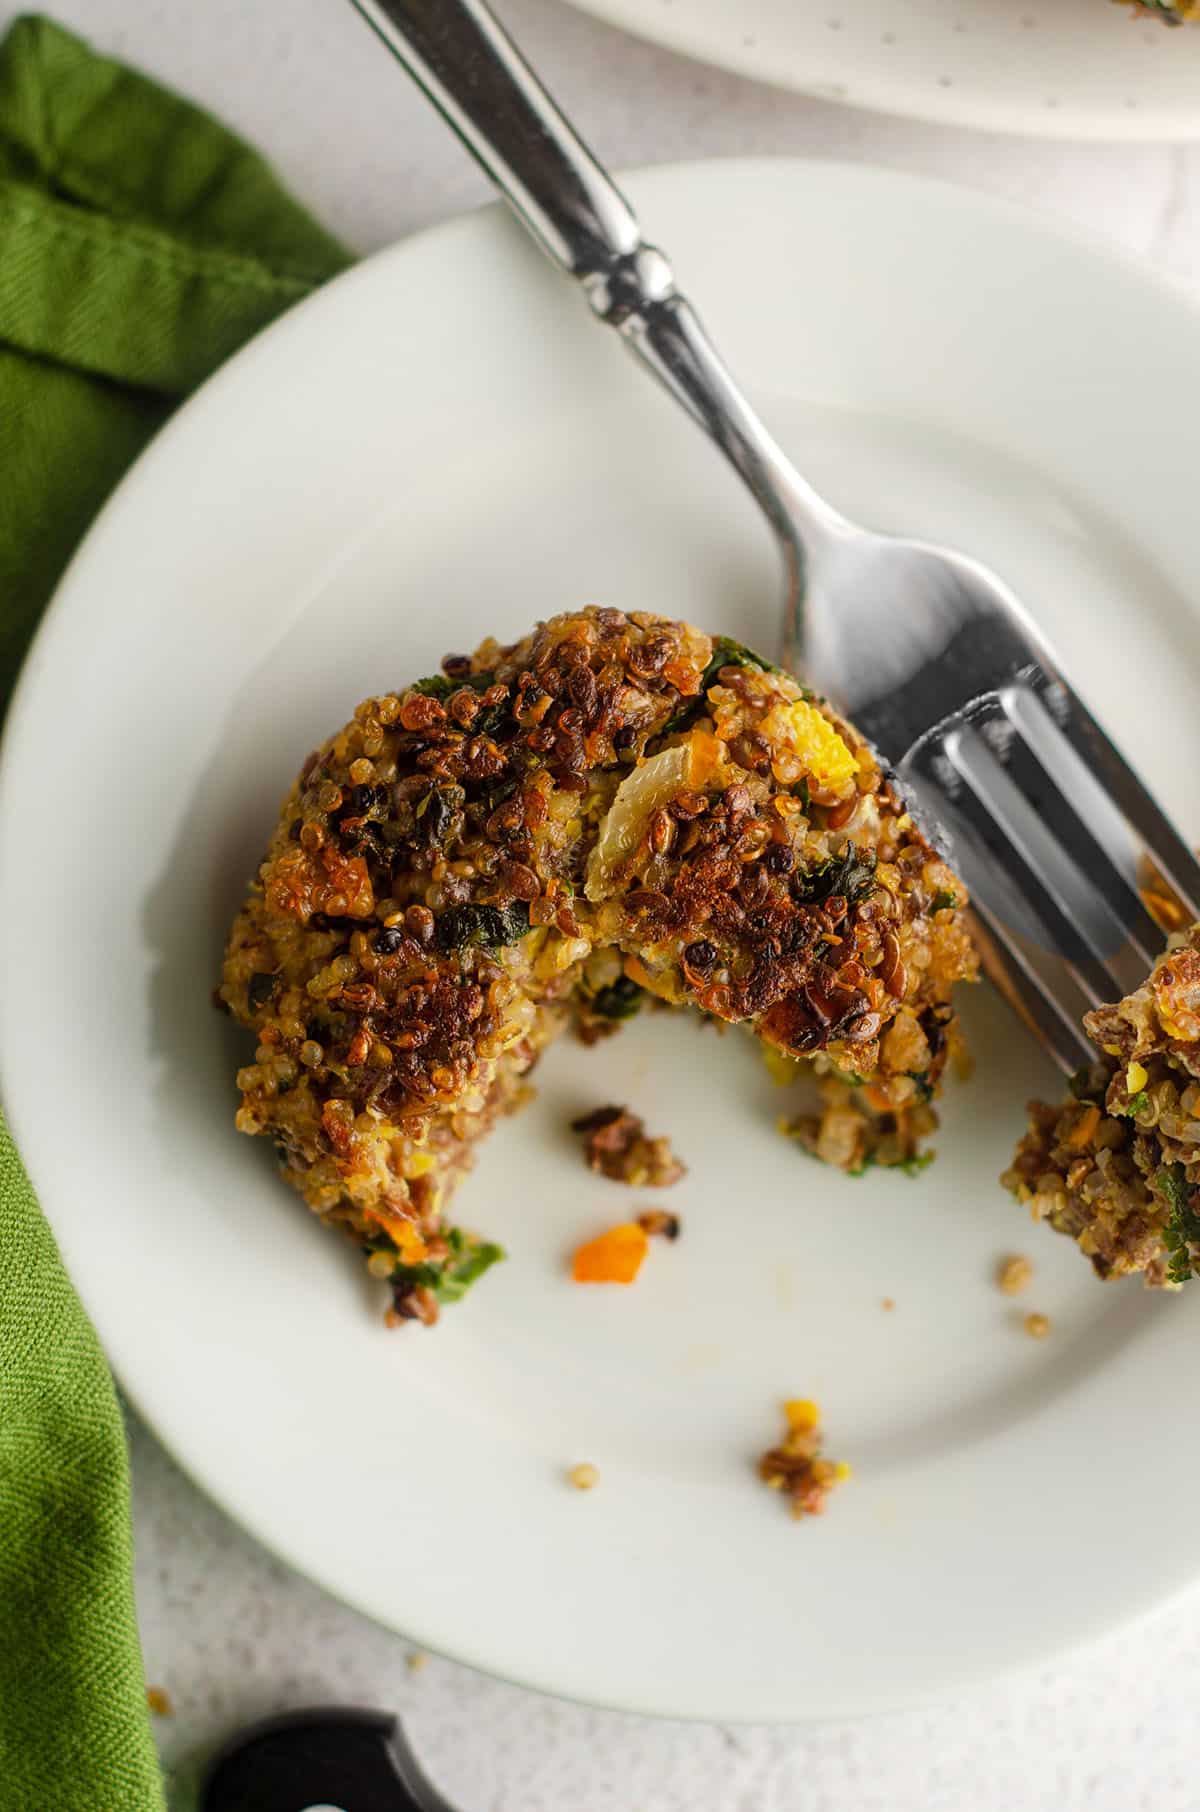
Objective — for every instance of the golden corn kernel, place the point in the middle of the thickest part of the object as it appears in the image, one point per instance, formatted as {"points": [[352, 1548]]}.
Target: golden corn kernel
{"points": [[815, 743]]}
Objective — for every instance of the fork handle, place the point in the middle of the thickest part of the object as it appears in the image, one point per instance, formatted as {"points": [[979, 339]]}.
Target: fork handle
{"points": [[471, 70], [468, 66]]}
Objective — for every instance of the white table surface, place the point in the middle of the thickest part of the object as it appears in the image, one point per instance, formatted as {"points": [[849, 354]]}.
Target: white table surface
{"points": [[229, 1632]]}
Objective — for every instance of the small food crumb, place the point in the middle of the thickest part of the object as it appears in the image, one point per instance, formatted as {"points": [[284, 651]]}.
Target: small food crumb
{"points": [[1037, 1326], [584, 1478], [1014, 1274], [797, 1466], [659, 1224], [415, 1661], [159, 1701], [889, 1302], [615, 1144], [613, 1257]]}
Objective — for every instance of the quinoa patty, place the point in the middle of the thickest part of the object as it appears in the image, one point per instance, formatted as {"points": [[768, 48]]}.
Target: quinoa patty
{"points": [[612, 803]]}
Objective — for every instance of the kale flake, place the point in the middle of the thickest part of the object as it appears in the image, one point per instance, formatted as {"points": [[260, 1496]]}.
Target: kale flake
{"points": [[263, 988], [850, 874], [437, 685], [621, 1000], [449, 1278], [1182, 1228], [481, 927]]}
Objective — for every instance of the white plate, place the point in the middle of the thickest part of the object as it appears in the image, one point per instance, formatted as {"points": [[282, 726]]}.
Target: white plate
{"points": [[441, 444], [1055, 68]]}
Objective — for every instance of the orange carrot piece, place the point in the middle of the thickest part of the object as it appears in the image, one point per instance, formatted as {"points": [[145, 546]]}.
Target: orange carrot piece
{"points": [[614, 1257], [1085, 1125], [704, 757], [402, 1233]]}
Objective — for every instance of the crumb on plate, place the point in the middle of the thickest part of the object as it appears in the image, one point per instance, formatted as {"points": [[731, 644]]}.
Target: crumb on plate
{"points": [[797, 1466], [1037, 1326], [158, 1700], [584, 1478], [1014, 1274], [615, 1144], [659, 1224]]}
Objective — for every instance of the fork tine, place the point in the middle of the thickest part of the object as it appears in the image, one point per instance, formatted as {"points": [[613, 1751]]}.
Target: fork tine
{"points": [[1104, 762], [1008, 967], [1003, 822], [1030, 758]]}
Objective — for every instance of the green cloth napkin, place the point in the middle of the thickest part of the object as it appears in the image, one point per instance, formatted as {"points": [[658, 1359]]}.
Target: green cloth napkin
{"points": [[140, 244]]}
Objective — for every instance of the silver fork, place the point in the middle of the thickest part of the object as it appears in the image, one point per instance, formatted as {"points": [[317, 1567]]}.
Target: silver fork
{"points": [[925, 650]]}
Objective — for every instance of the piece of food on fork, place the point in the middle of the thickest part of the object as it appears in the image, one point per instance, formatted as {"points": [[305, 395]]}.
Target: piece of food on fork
{"points": [[1117, 1166], [473, 855]]}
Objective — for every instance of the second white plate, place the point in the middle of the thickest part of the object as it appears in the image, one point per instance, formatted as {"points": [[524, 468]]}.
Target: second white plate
{"points": [[441, 444], [1048, 68]]}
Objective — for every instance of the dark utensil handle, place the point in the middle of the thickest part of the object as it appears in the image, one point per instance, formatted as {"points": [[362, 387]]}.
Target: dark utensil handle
{"points": [[332, 1759]]}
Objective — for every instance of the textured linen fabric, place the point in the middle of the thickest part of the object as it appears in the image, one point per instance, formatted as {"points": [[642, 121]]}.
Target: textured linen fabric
{"points": [[140, 244]]}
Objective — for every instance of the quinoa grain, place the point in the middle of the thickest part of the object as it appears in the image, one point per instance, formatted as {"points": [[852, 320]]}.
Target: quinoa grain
{"points": [[1014, 1275]]}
